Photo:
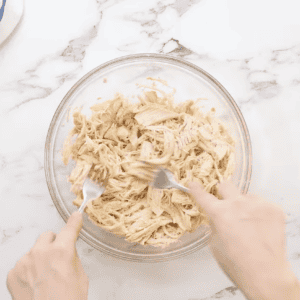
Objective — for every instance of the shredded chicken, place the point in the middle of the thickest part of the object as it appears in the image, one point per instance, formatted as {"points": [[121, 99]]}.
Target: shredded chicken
{"points": [[123, 141]]}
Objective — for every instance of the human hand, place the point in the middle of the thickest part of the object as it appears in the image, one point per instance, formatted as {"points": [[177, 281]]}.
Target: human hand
{"points": [[248, 242], [51, 269]]}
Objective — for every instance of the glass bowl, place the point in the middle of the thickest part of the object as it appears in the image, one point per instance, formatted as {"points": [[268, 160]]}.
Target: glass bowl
{"points": [[121, 75]]}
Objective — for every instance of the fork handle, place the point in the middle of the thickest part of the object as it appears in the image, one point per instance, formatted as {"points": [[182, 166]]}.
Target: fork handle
{"points": [[182, 188], [84, 203], [82, 207]]}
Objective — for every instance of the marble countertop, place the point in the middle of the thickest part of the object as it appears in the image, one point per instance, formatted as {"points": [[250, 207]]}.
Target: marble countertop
{"points": [[252, 48]]}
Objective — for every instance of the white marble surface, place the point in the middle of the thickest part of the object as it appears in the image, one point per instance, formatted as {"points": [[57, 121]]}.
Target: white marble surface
{"points": [[251, 47]]}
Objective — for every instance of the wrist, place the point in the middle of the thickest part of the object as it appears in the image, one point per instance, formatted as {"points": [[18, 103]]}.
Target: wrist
{"points": [[285, 287]]}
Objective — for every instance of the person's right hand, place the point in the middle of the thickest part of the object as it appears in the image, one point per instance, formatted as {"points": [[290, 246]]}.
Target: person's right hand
{"points": [[248, 242]]}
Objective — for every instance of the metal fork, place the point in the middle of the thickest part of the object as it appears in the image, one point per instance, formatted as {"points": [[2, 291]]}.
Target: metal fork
{"points": [[164, 179], [91, 190]]}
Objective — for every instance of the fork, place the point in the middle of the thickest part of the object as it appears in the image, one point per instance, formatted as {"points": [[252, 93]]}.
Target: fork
{"points": [[91, 190], [164, 179]]}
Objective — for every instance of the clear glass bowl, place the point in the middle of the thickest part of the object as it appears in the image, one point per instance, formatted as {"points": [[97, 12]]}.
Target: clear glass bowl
{"points": [[121, 75]]}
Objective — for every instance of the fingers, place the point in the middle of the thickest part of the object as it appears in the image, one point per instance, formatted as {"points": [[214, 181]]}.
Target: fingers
{"points": [[10, 280], [228, 190], [206, 200], [70, 232], [46, 238]]}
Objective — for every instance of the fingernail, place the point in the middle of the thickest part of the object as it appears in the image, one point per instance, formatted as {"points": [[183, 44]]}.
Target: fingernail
{"points": [[190, 185], [77, 214], [193, 185]]}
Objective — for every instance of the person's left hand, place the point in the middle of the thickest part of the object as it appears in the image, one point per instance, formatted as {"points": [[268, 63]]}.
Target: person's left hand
{"points": [[52, 268]]}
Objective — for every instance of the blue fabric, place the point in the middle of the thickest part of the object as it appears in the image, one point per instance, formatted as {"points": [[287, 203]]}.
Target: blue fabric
{"points": [[2, 10]]}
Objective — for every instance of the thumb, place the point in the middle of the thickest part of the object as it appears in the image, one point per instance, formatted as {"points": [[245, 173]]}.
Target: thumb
{"points": [[228, 190], [206, 200], [70, 232]]}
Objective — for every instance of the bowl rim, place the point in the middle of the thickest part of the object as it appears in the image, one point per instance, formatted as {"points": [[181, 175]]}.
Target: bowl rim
{"points": [[138, 257]]}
